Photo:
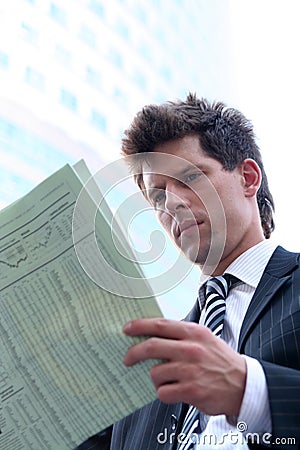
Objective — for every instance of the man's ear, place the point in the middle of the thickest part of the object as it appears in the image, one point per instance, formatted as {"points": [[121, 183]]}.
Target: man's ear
{"points": [[251, 177]]}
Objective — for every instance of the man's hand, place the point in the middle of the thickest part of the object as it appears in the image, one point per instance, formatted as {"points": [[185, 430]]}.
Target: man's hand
{"points": [[198, 368]]}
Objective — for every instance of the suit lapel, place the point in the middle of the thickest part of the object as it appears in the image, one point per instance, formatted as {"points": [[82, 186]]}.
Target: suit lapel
{"points": [[194, 314], [277, 272]]}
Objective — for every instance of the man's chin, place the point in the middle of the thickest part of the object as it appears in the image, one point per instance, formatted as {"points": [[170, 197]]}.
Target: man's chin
{"points": [[203, 256], [195, 255]]}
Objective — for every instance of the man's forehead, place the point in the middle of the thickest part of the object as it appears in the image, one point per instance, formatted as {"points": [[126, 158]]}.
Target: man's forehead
{"points": [[163, 164]]}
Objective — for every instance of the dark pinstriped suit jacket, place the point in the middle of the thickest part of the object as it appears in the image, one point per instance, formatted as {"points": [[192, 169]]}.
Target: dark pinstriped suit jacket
{"points": [[270, 333]]}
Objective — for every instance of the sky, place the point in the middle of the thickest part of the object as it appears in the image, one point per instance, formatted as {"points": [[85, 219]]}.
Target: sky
{"points": [[265, 42]]}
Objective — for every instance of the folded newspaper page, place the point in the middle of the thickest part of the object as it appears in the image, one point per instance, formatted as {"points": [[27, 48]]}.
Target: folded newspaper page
{"points": [[61, 373]]}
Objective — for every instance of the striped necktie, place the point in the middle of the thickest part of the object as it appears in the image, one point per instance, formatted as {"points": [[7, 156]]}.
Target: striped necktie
{"points": [[216, 291]]}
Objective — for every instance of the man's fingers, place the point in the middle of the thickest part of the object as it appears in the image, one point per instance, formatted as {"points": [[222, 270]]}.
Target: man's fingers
{"points": [[152, 348], [165, 373], [161, 327], [167, 350], [164, 328], [169, 340]]}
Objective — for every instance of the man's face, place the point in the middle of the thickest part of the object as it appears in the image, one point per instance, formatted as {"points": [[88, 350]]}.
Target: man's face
{"points": [[202, 206]]}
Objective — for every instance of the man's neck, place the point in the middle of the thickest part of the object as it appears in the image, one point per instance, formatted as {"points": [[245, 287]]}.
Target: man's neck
{"points": [[216, 269]]}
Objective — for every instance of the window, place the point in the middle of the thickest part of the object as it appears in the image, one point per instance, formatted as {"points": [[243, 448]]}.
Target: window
{"points": [[58, 14], [120, 96], [160, 35], [144, 50], [139, 79], [115, 57], [34, 78], [93, 77], [68, 99], [140, 13], [29, 34], [98, 120], [63, 55], [96, 7], [166, 73], [4, 60], [87, 36], [122, 29]]}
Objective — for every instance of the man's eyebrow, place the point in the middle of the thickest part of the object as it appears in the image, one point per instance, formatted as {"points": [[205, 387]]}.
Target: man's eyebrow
{"points": [[189, 168], [178, 175]]}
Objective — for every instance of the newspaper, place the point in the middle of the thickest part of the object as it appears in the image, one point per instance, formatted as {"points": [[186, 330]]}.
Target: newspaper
{"points": [[61, 373]]}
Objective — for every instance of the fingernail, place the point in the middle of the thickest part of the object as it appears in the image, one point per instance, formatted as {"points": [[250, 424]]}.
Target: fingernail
{"points": [[127, 327]]}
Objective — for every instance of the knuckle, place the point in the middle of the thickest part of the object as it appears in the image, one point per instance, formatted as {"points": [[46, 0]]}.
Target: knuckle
{"points": [[194, 351], [154, 371], [161, 323], [150, 345], [168, 394], [191, 373], [202, 332], [188, 390], [197, 332]]}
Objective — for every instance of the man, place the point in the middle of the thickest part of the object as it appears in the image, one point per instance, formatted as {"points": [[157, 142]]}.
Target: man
{"points": [[199, 166]]}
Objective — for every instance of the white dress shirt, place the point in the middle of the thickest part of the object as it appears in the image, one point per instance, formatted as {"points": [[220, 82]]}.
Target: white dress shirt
{"points": [[254, 416]]}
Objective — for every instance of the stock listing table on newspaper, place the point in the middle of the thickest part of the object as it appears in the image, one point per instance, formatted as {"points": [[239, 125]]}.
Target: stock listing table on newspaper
{"points": [[61, 373]]}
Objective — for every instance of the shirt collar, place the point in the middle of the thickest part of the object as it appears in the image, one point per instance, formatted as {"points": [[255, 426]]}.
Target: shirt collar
{"points": [[250, 265]]}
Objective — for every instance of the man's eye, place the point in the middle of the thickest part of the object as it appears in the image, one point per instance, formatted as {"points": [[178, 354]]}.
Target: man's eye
{"points": [[158, 198], [192, 177]]}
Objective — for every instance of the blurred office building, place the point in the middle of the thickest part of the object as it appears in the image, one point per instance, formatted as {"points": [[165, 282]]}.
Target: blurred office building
{"points": [[74, 72]]}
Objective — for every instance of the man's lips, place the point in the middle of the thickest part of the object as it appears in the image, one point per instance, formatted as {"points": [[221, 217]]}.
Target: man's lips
{"points": [[184, 226]]}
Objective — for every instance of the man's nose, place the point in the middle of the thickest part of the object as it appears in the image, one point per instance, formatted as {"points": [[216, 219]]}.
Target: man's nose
{"points": [[175, 198]]}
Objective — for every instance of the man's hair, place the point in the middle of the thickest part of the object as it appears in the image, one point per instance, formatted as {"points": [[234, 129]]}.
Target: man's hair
{"points": [[224, 134]]}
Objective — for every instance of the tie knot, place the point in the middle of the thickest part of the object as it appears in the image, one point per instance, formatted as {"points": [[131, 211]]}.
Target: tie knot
{"points": [[216, 291], [220, 285]]}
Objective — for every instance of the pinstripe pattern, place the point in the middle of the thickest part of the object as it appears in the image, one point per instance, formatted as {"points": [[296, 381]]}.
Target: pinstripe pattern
{"points": [[270, 333]]}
